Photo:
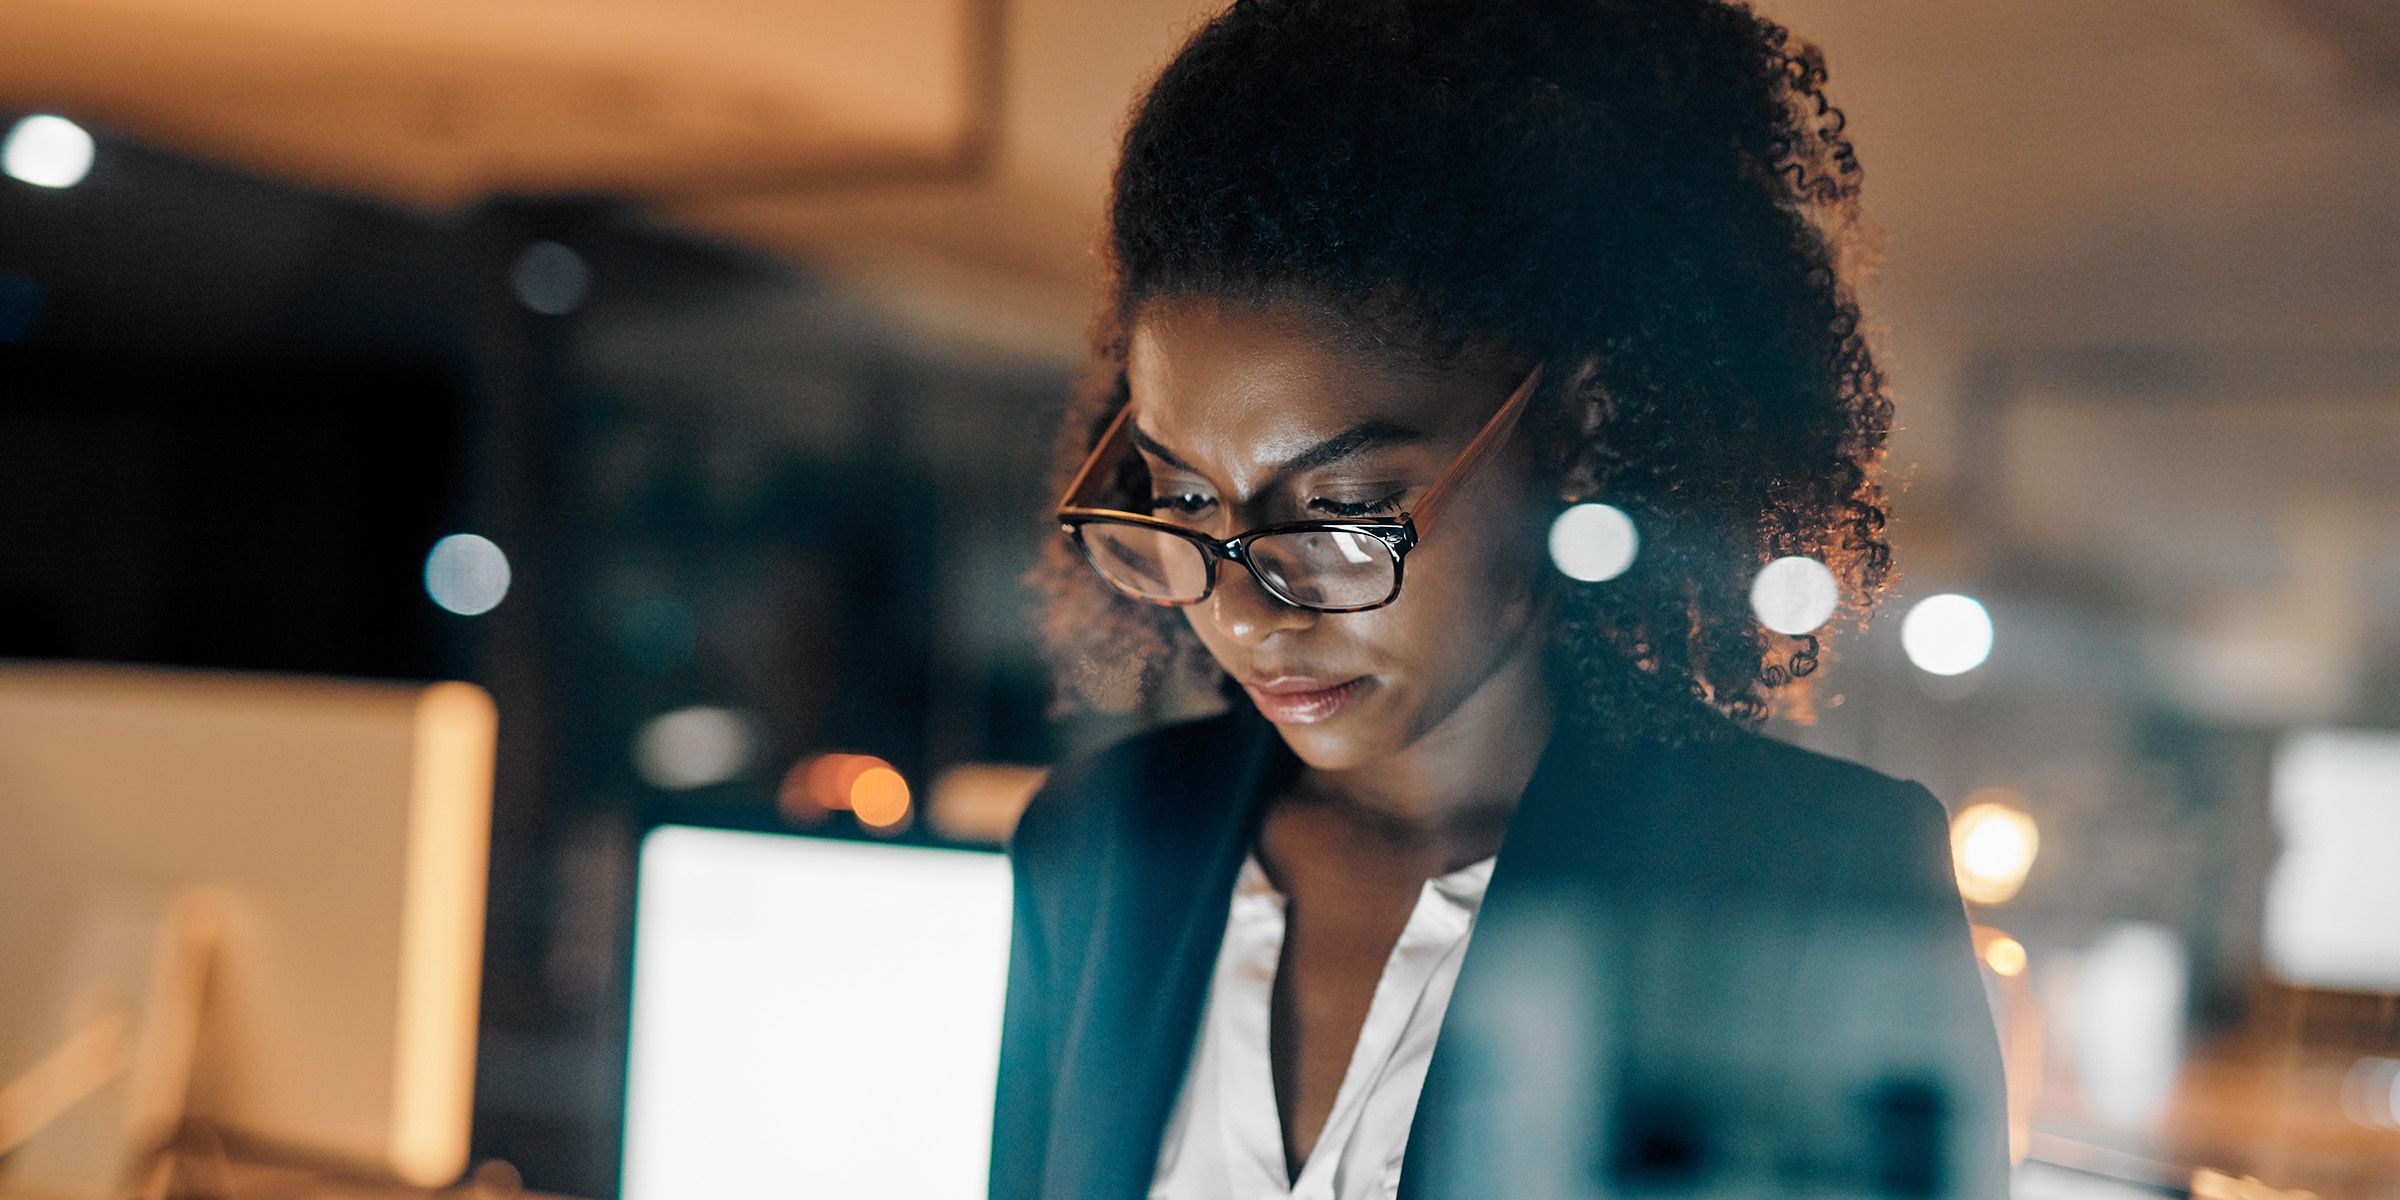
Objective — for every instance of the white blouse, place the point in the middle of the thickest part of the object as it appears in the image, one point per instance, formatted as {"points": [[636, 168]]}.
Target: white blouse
{"points": [[1224, 1139]]}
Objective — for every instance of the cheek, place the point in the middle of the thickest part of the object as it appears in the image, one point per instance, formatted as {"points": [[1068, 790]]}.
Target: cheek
{"points": [[1452, 605], [1473, 576], [1457, 600]]}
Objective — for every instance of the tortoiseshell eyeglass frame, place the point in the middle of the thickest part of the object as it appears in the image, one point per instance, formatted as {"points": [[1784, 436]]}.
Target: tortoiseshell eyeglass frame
{"points": [[1400, 535]]}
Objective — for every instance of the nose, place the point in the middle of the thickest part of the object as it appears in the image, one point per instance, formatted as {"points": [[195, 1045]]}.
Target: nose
{"points": [[1246, 611]]}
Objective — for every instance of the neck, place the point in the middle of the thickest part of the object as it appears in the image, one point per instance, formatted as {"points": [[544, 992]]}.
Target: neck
{"points": [[1447, 797]]}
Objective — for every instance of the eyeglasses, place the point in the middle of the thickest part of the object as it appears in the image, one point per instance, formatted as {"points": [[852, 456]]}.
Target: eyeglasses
{"points": [[1329, 566]]}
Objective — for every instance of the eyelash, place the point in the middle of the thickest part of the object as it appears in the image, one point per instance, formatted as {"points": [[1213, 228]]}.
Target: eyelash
{"points": [[1337, 508], [1341, 509]]}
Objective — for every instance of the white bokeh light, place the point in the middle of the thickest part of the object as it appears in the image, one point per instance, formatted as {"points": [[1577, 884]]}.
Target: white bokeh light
{"points": [[2371, 1092], [2128, 1010], [550, 279], [693, 747], [47, 151], [466, 574], [1947, 634], [1593, 542], [2335, 795], [1794, 595]]}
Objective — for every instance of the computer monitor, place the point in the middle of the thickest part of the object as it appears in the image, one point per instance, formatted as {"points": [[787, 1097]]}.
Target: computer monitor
{"points": [[252, 901], [813, 1016]]}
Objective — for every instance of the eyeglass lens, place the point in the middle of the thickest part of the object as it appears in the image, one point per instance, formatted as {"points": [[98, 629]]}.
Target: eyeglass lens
{"points": [[1322, 568], [1147, 564], [1325, 568]]}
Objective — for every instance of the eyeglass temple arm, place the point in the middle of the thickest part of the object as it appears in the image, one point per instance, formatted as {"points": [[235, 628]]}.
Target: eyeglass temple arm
{"points": [[1485, 444], [1108, 438]]}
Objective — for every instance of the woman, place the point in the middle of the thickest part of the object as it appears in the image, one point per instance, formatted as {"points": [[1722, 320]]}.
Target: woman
{"points": [[1480, 884]]}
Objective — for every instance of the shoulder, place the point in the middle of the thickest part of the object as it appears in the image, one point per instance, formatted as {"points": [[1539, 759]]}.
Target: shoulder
{"points": [[1794, 775], [1867, 835]]}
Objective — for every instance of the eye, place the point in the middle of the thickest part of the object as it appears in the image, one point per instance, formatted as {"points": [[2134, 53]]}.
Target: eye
{"points": [[1185, 503], [1348, 508]]}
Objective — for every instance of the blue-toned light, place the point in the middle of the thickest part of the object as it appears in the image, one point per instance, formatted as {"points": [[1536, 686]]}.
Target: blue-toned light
{"points": [[466, 574], [550, 279]]}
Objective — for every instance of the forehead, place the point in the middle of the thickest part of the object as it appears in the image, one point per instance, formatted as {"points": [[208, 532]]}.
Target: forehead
{"points": [[1235, 388]]}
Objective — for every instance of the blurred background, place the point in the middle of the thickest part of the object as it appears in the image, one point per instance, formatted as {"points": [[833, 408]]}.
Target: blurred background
{"points": [[684, 376]]}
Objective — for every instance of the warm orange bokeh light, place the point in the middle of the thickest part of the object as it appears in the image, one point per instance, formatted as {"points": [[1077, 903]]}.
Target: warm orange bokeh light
{"points": [[1993, 842], [830, 777], [879, 796], [796, 798], [2005, 956], [862, 783]]}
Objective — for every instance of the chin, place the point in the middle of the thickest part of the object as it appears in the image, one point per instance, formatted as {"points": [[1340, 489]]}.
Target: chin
{"points": [[1324, 749]]}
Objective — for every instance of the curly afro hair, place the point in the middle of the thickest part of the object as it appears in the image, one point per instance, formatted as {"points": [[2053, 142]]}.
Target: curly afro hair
{"points": [[1652, 197]]}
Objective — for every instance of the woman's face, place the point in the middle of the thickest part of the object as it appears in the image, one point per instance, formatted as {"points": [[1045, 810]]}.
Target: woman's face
{"points": [[1225, 399]]}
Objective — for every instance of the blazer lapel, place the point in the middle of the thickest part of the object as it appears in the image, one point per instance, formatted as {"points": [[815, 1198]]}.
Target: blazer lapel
{"points": [[1164, 904]]}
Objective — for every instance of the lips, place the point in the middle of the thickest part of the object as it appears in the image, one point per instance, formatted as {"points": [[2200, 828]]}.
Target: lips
{"points": [[1302, 699]]}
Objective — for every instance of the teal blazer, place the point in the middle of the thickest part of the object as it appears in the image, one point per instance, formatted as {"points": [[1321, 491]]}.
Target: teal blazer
{"points": [[1733, 968]]}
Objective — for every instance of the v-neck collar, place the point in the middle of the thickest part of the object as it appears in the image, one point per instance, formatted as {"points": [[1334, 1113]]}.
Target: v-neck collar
{"points": [[1250, 1118], [1134, 1026]]}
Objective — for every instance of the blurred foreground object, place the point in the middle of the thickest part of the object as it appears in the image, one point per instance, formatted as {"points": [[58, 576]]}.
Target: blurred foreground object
{"points": [[249, 901], [2009, 988]]}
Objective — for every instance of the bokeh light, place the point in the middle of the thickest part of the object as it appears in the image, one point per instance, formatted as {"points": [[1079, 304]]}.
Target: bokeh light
{"points": [[879, 796], [466, 574], [47, 151], [2131, 994], [1947, 634], [2005, 955], [693, 747], [830, 777], [1794, 595], [1593, 542], [550, 279], [795, 799], [1992, 846], [871, 789], [2371, 1092]]}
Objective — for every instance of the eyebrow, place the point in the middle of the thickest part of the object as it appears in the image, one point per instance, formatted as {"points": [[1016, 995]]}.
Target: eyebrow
{"points": [[1358, 439]]}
